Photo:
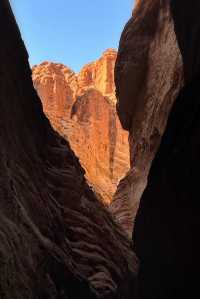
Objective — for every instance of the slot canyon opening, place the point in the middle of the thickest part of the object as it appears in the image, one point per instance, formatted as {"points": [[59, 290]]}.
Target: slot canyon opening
{"points": [[57, 239], [72, 50]]}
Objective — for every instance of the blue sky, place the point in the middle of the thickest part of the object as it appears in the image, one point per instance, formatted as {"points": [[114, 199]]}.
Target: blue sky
{"points": [[73, 32]]}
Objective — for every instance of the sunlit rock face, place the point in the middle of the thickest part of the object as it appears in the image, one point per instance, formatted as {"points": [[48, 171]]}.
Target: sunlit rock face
{"points": [[157, 77], [149, 76], [56, 84], [81, 107], [56, 239], [99, 75]]}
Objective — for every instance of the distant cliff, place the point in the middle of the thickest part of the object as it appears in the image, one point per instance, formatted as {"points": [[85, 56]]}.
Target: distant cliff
{"points": [[81, 107]]}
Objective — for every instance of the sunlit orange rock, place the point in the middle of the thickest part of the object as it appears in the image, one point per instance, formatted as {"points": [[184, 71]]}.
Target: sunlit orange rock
{"points": [[81, 107], [99, 75]]}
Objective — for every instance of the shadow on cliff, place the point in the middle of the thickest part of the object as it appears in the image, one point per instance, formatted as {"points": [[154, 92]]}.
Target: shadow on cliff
{"points": [[56, 239], [167, 223]]}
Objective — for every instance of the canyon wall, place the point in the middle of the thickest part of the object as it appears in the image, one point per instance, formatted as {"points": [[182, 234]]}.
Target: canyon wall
{"points": [[149, 76], [56, 239], [157, 79], [81, 107]]}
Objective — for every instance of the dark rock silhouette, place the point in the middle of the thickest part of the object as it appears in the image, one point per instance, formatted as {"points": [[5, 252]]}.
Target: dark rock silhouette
{"points": [[56, 239], [167, 223]]}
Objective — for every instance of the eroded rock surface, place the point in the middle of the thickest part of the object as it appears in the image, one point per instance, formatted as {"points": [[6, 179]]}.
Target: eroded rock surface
{"points": [[99, 75], [158, 68], [56, 238], [149, 76], [81, 107]]}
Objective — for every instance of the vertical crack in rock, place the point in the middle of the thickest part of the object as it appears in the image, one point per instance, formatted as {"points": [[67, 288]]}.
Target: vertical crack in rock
{"points": [[56, 239], [113, 140]]}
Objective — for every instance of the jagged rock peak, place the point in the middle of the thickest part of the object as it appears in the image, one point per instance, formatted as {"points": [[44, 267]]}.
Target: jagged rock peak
{"points": [[110, 52], [48, 67], [98, 74]]}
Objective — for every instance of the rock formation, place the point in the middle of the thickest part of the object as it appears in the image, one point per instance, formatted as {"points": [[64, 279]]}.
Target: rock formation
{"points": [[81, 107], [157, 74], [149, 76], [99, 75], [56, 238]]}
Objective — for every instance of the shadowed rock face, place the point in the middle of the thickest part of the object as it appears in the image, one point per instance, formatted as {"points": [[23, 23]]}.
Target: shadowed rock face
{"points": [[167, 223], [149, 76], [56, 239], [81, 107]]}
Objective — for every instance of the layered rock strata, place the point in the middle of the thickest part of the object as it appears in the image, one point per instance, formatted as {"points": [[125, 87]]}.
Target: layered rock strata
{"points": [[56, 238]]}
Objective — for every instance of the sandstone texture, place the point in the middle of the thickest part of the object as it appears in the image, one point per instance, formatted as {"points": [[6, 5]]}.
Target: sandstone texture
{"points": [[157, 78], [81, 107], [56, 239], [149, 76]]}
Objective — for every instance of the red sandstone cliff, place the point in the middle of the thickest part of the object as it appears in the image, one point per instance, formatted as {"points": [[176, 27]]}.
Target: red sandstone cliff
{"points": [[81, 107]]}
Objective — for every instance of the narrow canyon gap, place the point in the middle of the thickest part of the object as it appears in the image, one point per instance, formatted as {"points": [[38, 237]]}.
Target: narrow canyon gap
{"points": [[56, 239]]}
